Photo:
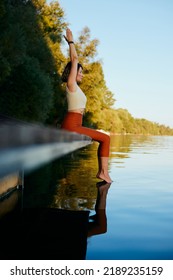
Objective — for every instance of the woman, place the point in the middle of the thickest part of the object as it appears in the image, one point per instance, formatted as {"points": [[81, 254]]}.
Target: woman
{"points": [[76, 100]]}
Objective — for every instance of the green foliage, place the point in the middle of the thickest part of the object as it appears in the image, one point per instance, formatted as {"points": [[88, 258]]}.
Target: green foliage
{"points": [[29, 76], [29, 87]]}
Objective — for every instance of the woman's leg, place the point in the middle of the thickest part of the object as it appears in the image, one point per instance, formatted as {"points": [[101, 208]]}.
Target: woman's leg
{"points": [[103, 150], [103, 169], [73, 122]]}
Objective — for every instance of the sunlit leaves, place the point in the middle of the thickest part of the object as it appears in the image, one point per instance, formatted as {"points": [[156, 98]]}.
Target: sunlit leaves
{"points": [[29, 70]]}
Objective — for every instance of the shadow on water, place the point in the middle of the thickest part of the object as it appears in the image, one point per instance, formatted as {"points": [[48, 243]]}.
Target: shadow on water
{"points": [[49, 233]]}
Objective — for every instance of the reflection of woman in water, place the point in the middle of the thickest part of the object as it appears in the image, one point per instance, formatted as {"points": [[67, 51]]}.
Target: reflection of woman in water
{"points": [[76, 100], [99, 220]]}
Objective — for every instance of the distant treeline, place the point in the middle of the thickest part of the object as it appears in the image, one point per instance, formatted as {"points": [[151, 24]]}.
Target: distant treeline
{"points": [[31, 63]]}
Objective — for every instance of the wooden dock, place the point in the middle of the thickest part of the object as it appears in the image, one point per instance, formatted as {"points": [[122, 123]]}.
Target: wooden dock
{"points": [[36, 233], [25, 146]]}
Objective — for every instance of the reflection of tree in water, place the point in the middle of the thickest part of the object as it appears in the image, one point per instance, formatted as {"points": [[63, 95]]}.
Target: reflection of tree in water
{"points": [[68, 179], [68, 182], [75, 188], [123, 145]]}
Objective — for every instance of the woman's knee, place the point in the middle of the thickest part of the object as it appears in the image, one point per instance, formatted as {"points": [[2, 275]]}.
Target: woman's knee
{"points": [[107, 138]]}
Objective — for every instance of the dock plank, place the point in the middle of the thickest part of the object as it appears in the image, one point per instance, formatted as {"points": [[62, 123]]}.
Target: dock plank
{"points": [[25, 146]]}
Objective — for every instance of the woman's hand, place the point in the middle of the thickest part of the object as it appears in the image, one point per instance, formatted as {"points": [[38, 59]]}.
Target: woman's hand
{"points": [[69, 35]]}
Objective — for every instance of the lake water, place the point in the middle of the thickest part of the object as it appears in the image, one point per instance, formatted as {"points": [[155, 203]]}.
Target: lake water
{"points": [[130, 219], [140, 201]]}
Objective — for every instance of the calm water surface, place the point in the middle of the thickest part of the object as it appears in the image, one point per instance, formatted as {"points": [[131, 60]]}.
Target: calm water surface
{"points": [[139, 202], [65, 210]]}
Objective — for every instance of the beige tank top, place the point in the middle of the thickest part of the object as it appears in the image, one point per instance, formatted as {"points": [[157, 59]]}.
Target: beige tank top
{"points": [[76, 100]]}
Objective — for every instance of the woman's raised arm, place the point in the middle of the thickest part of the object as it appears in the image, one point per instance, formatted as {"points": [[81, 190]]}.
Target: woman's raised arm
{"points": [[71, 82]]}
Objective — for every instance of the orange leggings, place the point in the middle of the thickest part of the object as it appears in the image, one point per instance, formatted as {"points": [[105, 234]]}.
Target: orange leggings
{"points": [[73, 122]]}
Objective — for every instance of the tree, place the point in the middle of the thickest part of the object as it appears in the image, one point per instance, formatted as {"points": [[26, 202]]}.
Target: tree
{"points": [[29, 69]]}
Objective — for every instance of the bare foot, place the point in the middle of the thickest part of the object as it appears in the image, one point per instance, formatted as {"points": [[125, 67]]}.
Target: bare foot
{"points": [[104, 177]]}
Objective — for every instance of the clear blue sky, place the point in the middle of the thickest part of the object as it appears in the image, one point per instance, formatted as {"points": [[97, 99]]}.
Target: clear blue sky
{"points": [[136, 48]]}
